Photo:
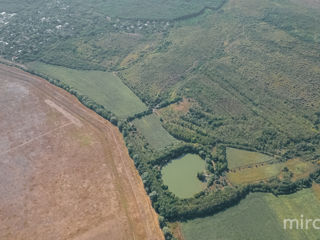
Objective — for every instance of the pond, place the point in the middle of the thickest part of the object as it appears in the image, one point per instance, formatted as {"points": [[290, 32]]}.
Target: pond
{"points": [[180, 175]]}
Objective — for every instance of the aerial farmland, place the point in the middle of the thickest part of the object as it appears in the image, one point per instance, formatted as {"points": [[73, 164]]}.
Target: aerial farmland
{"points": [[65, 172], [156, 119]]}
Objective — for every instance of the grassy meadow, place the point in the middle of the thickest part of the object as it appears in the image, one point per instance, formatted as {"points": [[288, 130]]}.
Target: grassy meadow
{"points": [[180, 175], [239, 158], [254, 174], [151, 128], [103, 87], [259, 216], [298, 168]]}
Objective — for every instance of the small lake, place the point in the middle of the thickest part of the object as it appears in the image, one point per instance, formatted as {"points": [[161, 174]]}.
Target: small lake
{"points": [[180, 175]]}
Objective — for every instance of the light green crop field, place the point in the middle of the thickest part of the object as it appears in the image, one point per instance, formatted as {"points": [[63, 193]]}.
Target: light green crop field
{"points": [[252, 219], [151, 129], [103, 87], [180, 175], [305, 202], [238, 158], [259, 216]]}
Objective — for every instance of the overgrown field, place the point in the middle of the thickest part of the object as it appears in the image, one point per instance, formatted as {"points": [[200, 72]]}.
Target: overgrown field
{"points": [[239, 158], [254, 174], [293, 169], [103, 87], [259, 216], [253, 82]]}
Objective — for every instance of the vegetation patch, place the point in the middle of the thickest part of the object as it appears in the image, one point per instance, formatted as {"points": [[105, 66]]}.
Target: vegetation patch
{"points": [[103, 87], [180, 175], [293, 169], [151, 128], [300, 169], [241, 158], [254, 174]]}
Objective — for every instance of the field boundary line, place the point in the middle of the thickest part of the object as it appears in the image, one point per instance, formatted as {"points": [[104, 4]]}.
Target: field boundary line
{"points": [[36, 138], [64, 112]]}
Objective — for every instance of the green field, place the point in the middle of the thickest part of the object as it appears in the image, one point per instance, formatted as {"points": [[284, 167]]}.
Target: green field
{"points": [[180, 175], [239, 158], [305, 202], [103, 87], [259, 216], [151, 129]]}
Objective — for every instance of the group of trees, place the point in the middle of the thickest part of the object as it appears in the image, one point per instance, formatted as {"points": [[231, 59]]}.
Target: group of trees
{"points": [[140, 115]]}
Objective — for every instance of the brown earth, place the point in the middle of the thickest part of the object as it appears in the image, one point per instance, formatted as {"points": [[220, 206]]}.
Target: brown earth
{"points": [[65, 172], [183, 106], [176, 230]]}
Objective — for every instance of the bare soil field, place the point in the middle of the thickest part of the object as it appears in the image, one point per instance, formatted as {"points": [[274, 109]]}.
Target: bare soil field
{"points": [[64, 171]]}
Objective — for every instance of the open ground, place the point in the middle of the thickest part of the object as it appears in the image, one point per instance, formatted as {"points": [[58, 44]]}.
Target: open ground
{"points": [[65, 172]]}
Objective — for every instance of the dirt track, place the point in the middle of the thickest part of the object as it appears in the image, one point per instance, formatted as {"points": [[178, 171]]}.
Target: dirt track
{"points": [[64, 171]]}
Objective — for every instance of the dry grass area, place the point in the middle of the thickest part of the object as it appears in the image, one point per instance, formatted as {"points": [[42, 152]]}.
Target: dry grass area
{"points": [[264, 171], [176, 230], [254, 174], [316, 190], [299, 168], [183, 106], [238, 158], [64, 172]]}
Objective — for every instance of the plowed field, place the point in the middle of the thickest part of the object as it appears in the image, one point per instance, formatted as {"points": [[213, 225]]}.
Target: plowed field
{"points": [[64, 171]]}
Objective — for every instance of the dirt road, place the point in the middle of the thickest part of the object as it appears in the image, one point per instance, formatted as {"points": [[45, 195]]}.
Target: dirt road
{"points": [[64, 171]]}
